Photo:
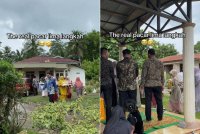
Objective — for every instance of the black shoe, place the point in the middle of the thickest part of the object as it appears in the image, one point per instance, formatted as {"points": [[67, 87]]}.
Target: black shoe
{"points": [[159, 119]]}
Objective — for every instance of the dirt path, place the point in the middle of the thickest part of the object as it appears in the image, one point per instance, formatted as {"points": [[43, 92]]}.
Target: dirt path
{"points": [[29, 109]]}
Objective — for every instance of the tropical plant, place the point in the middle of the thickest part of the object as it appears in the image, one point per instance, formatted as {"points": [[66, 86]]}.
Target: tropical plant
{"points": [[92, 69], [197, 47], [164, 50], [69, 118], [31, 48], [8, 96], [7, 54], [74, 48], [57, 48]]}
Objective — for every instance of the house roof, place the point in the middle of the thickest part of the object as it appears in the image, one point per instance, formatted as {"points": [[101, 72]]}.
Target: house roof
{"points": [[176, 58], [47, 59]]}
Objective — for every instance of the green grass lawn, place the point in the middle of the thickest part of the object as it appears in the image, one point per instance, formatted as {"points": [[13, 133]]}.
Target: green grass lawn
{"points": [[166, 102]]}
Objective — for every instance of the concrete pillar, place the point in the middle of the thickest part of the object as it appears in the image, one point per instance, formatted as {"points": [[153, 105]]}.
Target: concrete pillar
{"points": [[121, 48], [188, 75]]}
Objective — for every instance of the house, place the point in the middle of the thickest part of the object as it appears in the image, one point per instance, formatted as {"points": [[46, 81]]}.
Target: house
{"points": [[59, 66], [176, 62]]}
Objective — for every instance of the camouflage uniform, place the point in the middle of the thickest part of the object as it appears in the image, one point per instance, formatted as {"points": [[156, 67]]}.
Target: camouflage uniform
{"points": [[152, 80], [107, 75], [127, 72], [152, 73]]}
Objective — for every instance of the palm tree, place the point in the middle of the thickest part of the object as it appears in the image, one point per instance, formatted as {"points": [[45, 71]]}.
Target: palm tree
{"points": [[8, 54], [75, 47], [18, 55], [57, 48], [31, 48]]}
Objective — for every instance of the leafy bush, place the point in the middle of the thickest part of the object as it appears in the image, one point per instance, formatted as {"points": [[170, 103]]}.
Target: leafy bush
{"points": [[68, 118], [92, 69], [8, 96], [91, 85]]}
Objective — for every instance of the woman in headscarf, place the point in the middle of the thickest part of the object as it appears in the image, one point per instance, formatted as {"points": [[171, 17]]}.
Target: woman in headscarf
{"points": [[118, 124], [176, 97], [62, 83], [78, 86], [197, 89]]}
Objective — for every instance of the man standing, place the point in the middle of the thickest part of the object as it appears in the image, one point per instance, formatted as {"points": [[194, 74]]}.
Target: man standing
{"points": [[107, 75], [127, 72], [152, 82], [51, 86]]}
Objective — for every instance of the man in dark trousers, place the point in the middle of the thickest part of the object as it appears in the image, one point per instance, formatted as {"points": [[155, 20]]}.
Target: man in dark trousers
{"points": [[127, 72], [107, 75], [152, 82]]}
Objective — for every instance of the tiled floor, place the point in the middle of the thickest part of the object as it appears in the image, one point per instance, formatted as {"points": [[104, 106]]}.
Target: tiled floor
{"points": [[176, 129]]}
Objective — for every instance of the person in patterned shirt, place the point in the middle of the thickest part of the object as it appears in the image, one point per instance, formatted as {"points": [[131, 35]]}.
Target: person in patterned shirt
{"points": [[127, 72], [152, 82], [107, 76]]}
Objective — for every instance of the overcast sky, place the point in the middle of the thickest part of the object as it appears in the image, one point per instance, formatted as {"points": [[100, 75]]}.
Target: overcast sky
{"points": [[44, 16], [63, 16]]}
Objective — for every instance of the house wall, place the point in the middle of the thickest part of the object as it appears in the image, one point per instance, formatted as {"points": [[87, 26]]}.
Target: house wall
{"points": [[72, 73], [76, 72], [176, 65]]}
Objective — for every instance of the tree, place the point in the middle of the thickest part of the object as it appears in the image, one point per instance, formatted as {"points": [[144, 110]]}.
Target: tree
{"points": [[91, 68], [197, 47], [8, 95], [18, 55], [74, 48], [57, 48], [31, 49], [7, 54], [112, 45], [164, 50], [137, 49], [91, 46]]}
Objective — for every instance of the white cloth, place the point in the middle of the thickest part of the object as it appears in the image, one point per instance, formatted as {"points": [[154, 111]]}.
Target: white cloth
{"points": [[44, 92], [180, 76]]}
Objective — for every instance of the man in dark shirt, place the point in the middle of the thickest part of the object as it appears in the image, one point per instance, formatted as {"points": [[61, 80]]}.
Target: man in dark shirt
{"points": [[107, 75], [152, 82]]}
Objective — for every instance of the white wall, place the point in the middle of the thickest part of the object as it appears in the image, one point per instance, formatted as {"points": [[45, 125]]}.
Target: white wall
{"points": [[76, 72]]}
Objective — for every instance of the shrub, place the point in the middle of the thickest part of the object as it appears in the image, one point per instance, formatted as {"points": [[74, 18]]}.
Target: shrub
{"points": [[8, 96], [68, 118]]}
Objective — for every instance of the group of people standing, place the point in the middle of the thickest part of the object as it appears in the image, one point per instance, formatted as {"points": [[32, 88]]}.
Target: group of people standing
{"points": [[127, 72], [61, 89]]}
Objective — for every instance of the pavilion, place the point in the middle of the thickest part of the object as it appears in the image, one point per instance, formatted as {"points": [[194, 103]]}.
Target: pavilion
{"points": [[127, 16]]}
